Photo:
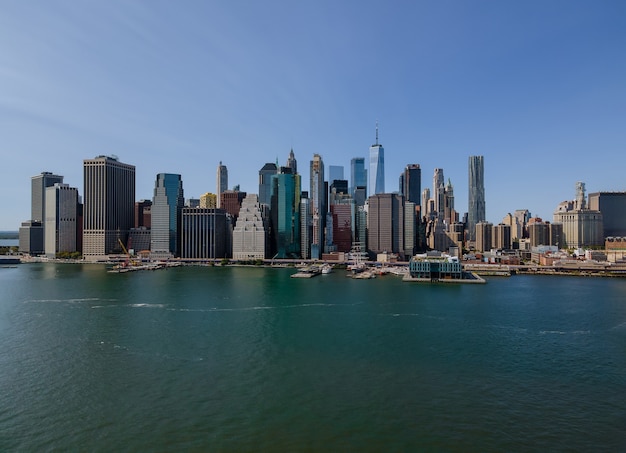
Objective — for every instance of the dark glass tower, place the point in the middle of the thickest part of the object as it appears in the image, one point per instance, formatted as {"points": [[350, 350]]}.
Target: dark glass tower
{"points": [[167, 206]]}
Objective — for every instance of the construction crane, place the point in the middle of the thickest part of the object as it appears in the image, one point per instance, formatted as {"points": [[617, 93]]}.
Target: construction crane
{"points": [[129, 260]]}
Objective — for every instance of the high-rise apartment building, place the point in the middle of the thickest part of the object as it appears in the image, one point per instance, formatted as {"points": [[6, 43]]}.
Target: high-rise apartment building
{"points": [[438, 193], [306, 232], [484, 235], [377, 168], [167, 206], [358, 175], [317, 194], [61, 225], [222, 182], [249, 235], [108, 213], [476, 197]]}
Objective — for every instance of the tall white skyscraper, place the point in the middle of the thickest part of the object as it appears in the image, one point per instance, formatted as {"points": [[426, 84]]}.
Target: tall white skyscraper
{"points": [[222, 182], [438, 192], [377, 168]]}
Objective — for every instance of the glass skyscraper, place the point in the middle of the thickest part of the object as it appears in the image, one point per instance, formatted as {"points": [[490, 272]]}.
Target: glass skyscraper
{"points": [[377, 168], [358, 174], [222, 182], [285, 215], [476, 199], [167, 206]]}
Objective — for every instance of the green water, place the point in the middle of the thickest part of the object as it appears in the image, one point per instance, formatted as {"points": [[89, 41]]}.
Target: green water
{"points": [[248, 359]]}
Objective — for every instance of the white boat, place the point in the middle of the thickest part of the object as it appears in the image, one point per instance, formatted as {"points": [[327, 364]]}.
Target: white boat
{"points": [[327, 268]]}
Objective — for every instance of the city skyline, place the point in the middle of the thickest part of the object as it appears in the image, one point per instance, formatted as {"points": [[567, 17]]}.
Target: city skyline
{"points": [[535, 88]]}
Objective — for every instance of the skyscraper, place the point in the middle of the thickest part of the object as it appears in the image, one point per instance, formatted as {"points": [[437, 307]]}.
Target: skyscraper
{"points": [[377, 168], [335, 173], [476, 199], [438, 193], [39, 184], [285, 214], [292, 162], [249, 232], [385, 224], [317, 194], [358, 174], [109, 203], [265, 183], [222, 182], [61, 223], [167, 205], [412, 183]]}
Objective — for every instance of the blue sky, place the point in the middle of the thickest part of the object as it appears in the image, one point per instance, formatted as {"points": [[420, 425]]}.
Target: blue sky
{"points": [[537, 87]]}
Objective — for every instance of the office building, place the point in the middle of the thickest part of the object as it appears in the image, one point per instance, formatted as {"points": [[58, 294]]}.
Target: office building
{"points": [[265, 183], [342, 224], [167, 206], [292, 163], [582, 227], [317, 194], [385, 224], [39, 184], [143, 213], [208, 201], [612, 205], [31, 238], [231, 202], [109, 202], [476, 195], [358, 176], [61, 225], [249, 234], [377, 168], [222, 182], [285, 214], [335, 173], [438, 193], [411, 183], [205, 234]]}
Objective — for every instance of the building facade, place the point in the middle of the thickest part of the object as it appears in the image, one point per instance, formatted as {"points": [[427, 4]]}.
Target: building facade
{"points": [[377, 168], [249, 235], [109, 202], [167, 206], [285, 214], [358, 176], [582, 227], [385, 224], [61, 226], [411, 183], [265, 183], [317, 194], [612, 205], [205, 234], [222, 183], [476, 195]]}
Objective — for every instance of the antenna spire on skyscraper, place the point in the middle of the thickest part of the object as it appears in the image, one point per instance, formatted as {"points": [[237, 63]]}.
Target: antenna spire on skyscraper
{"points": [[377, 132]]}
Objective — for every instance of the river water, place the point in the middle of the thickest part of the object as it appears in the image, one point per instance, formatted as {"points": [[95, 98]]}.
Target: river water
{"points": [[248, 359]]}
